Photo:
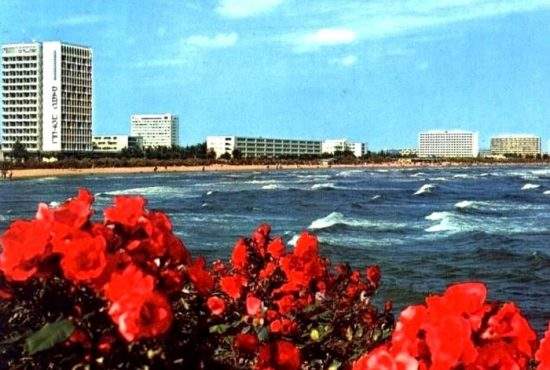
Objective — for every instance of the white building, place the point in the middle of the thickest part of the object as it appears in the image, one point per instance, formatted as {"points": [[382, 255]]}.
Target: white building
{"points": [[267, 147], [47, 96], [341, 145], [448, 144], [115, 143], [514, 144], [262, 147], [156, 129]]}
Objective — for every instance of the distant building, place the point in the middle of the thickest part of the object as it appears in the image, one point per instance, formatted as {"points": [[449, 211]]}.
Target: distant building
{"points": [[341, 145], [115, 143], [47, 96], [520, 145], [156, 129], [448, 144], [261, 147]]}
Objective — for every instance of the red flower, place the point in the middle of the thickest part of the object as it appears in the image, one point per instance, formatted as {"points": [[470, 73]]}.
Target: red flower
{"points": [[253, 305], [276, 248], [287, 355], [283, 326], [68, 217], [216, 305], [127, 211], [232, 285], [22, 245], [373, 275], [200, 276], [131, 281], [239, 258], [141, 315], [382, 359], [84, 257], [246, 342], [260, 237], [509, 324], [306, 246], [543, 353], [286, 304]]}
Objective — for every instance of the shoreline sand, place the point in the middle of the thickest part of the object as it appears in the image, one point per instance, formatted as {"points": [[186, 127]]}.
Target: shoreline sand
{"points": [[21, 174]]}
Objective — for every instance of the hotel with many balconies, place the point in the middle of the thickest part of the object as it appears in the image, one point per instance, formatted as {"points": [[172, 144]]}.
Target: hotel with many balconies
{"points": [[47, 96]]}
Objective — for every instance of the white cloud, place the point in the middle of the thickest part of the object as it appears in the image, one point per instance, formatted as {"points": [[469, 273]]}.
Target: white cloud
{"points": [[246, 8], [357, 21], [321, 37], [79, 20], [346, 61], [221, 40]]}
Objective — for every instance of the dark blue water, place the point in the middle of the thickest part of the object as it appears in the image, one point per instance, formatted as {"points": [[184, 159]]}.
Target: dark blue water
{"points": [[489, 224]]}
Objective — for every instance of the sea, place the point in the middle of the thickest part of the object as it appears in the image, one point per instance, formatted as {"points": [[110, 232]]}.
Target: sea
{"points": [[426, 228]]}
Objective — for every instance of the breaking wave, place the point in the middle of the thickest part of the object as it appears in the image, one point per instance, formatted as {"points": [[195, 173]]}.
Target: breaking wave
{"points": [[337, 218], [530, 186], [425, 189], [326, 185]]}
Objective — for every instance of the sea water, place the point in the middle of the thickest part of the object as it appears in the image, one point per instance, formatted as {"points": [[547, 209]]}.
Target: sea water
{"points": [[426, 228]]}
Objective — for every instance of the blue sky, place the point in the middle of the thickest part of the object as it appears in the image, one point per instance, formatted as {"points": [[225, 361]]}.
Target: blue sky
{"points": [[369, 70]]}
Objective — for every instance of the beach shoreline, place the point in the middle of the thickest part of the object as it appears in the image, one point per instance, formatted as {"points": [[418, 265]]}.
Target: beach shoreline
{"points": [[21, 174]]}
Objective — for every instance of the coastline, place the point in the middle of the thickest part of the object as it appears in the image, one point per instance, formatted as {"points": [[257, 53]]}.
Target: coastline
{"points": [[21, 174]]}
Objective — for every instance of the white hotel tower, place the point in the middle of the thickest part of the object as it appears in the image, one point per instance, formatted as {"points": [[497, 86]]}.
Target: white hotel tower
{"points": [[448, 144], [47, 96], [156, 130]]}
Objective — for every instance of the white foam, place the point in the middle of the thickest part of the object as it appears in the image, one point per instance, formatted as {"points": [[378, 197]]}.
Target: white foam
{"points": [[463, 176], [209, 192], [337, 218], [465, 204], [53, 203], [377, 196], [530, 186], [418, 174], [438, 216], [438, 179], [326, 185], [424, 189], [546, 192], [270, 187], [293, 240]]}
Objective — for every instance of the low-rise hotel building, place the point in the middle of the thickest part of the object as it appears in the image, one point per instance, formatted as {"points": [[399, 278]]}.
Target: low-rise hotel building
{"points": [[47, 96], [267, 147], [156, 130], [342, 145], [115, 143], [448, 144], [519, 145]]}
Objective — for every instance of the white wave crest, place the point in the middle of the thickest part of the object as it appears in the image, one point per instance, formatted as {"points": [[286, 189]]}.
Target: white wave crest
{"points": [[465, 204], [326, 185], [377, 196], [424, 189], [418, 174], [438, 216], [209, 192], [293, 240], [546, 192], [53, 203], [337, 218], [530, 186], [270, 187]]}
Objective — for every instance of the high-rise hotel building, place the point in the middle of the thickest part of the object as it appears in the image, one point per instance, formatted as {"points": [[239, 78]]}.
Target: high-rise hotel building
{"points": [[156, 129], [448, 144], [47, 96], [520, 145]]}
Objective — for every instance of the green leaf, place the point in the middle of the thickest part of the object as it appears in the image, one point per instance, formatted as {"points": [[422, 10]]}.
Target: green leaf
{"points": [[48, 336], [218, 329]]}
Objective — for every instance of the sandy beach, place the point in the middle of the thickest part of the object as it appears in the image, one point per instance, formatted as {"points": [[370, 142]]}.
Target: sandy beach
{"points": [[54, 172]]}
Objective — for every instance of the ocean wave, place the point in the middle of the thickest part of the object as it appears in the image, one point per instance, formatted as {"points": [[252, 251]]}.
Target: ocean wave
{"points": [[326, 185], [53, 203], [209, 192], [293, 240], [418, 174], [348, 173], [546, 192], [337, 218], [438, 179], [530, 186], [377, 196], [150, 191], [425, 189], [270, 187], [464, 176], [452, 222]]}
